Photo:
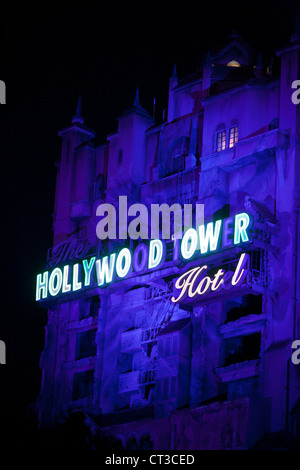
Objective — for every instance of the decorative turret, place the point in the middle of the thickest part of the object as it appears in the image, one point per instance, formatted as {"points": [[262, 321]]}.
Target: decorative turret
{"points": [[74, 174], [78, 117], [137, 108], [127, 149], [295, 37]]}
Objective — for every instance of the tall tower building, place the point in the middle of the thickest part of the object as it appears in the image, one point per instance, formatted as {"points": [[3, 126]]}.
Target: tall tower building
{"points": [[211, 370]]}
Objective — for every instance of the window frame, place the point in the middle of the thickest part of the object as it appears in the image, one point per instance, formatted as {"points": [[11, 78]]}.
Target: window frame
{"points": [[224, 133], [235, 130]]}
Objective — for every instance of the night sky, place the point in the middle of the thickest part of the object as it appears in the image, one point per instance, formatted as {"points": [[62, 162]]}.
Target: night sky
{"points": [[49, 56]]}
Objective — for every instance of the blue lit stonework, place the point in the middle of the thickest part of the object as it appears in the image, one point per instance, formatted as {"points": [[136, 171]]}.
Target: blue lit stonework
{"points": [[211, 371]]}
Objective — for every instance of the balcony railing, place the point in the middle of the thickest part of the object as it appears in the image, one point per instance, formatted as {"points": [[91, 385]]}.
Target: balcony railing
{"points": [[131, 340], [148, 377], [131, 381], [153, 293], [150, 334]]}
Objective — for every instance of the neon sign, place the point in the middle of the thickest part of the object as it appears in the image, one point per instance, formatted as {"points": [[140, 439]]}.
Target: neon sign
{"points": [[105, 270], [117, 266], [189, 283]]}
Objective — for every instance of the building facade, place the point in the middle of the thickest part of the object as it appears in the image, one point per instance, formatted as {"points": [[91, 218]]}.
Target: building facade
{"points": [[211, 371]]}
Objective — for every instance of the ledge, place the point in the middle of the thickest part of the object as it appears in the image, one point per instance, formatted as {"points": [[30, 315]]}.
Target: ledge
{"points": [[238, 371], [84, 323], [84, 363], [250, 324], [246, 151]]}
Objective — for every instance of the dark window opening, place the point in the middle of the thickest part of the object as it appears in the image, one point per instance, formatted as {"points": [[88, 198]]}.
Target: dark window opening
{"points": [[95, 304], [241, 307], [86, 344], [83, 384], [148, 391], [222, 213], [132, 444], [89, 307], [243, 348], [146, 443]]}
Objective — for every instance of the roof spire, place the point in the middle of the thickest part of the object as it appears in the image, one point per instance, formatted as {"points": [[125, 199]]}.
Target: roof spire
{"points": [[235, 34], [208, 59], [174, 73], [78, 117], [137, 102], [296, 35]]}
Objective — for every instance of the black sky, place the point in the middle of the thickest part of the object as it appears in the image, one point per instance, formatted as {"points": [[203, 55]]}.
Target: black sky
{"points": [[51, 54]]}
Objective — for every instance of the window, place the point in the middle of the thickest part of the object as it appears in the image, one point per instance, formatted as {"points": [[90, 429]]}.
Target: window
{"points": [[146, 442], [233, 135], [83, 384], [242, 348], [233, 63], [132, 444], [221, 140], [89, 307], [86, 344], [94, 306], [242, 306]]}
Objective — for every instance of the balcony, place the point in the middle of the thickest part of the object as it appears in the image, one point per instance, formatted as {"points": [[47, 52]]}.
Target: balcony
{"points": [[238, 371], [150, 334], [131, 341], [128, 416], [157, 292], [251, 324], [247, 151], [148, 377], [256, 280], [129, 381]]}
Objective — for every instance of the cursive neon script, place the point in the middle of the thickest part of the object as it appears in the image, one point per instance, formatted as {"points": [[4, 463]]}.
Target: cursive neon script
{"points": [[191, 283]]}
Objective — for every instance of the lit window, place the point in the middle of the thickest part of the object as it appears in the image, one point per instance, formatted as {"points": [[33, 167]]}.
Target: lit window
{"points": [[233, 135], [233, 63], [221, 140]]}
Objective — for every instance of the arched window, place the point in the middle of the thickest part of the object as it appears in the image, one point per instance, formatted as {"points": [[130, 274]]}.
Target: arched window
{"points": [[220, 138], [233, 63], [132, 444], [146, 442], [233, 135]]}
